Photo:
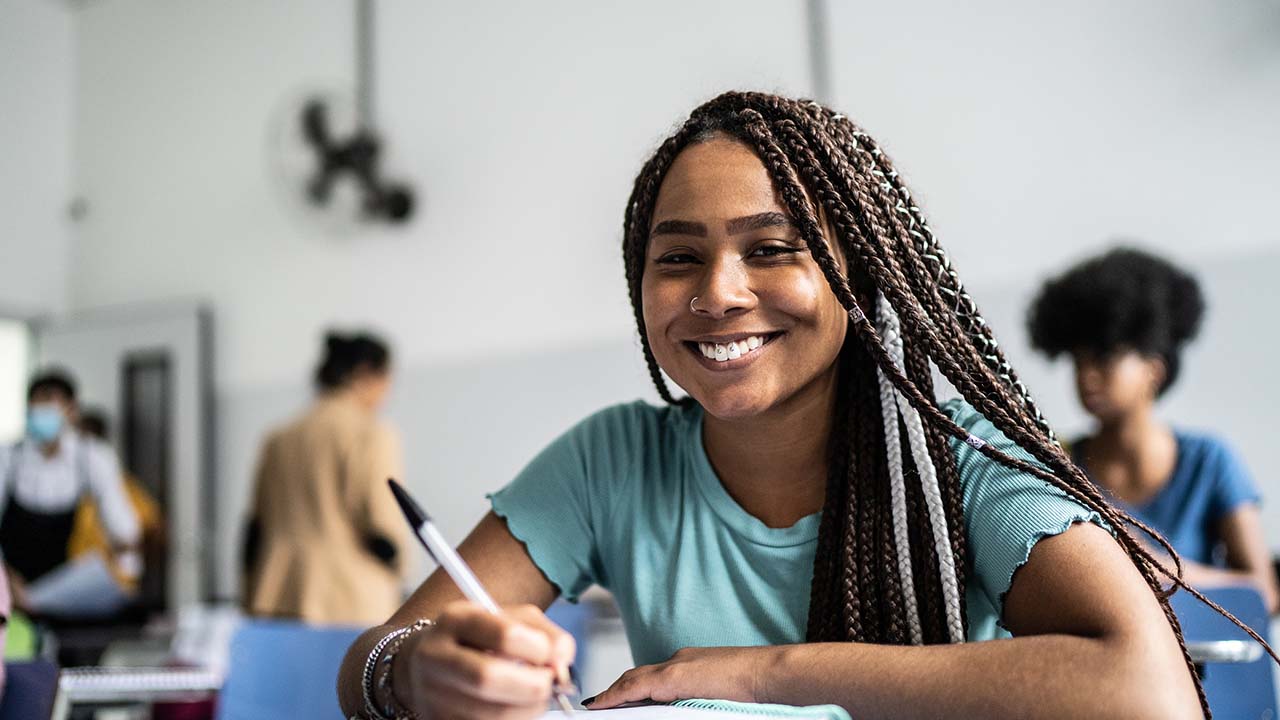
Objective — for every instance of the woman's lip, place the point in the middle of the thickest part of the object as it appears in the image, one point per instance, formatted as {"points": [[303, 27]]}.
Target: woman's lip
{"points": [[735, 364], [735, 337]]}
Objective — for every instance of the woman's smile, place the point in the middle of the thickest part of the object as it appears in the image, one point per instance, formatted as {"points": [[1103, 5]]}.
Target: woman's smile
{"points": [[731, 352]]}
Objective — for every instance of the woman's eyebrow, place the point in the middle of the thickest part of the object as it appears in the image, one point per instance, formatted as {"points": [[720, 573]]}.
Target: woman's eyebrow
{"points": [[679, 227], [732, 227], [755, 222]]}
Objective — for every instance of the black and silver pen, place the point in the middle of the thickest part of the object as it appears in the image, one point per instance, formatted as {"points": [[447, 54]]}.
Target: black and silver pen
{"points": [[457, 569]]}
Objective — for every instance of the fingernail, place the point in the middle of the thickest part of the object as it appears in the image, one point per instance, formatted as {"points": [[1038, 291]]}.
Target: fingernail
{"points": [[587, 701]]}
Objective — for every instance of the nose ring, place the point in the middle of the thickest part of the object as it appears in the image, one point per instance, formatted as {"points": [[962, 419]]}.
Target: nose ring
{"points": [[693, 309]]}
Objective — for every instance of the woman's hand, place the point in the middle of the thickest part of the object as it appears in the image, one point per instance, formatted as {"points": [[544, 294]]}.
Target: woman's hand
{"points": [[722, 673], [474, 664]]}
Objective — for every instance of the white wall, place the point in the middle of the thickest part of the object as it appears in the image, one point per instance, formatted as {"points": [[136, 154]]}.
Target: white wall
{"points": [[521, 125], [15, 351], [36, 105], [1031, 133], [1035, 134]]}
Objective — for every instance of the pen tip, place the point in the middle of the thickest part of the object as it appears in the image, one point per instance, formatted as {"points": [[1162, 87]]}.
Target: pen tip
{"points": [[407, 505]]}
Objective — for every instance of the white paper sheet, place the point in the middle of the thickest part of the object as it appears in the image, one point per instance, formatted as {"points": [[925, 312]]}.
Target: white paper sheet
{"points": [[652, 712]]}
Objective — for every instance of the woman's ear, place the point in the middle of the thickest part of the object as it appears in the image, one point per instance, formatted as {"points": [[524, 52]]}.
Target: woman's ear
{"points": [[1158, 371]]}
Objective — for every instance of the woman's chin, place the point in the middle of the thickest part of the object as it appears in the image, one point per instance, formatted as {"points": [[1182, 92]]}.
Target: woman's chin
{"points": [[729, 405]]}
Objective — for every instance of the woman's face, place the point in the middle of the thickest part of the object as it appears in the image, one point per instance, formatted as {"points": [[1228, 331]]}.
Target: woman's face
{"points": [[1115, 385], [765, 326]]}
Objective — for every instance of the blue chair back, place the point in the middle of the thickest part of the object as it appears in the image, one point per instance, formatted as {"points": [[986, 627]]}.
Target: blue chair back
{"points": [[576, 619], [284, 669], [29, 691], [1235, 690]]}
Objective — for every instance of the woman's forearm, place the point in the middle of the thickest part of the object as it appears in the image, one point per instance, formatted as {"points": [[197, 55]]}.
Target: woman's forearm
{"points": [[1205, 576], [1045, 676], [350, 675]]}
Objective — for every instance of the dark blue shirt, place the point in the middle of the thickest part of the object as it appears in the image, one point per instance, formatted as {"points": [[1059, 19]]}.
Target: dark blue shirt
{"points": [[1209, 482]]}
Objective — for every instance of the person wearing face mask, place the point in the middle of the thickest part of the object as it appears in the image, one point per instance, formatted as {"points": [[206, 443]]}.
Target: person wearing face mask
{"points": [[42, 480], [325, 539], [1124, 318]]}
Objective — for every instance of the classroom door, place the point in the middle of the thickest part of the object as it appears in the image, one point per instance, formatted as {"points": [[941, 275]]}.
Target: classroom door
{"points": [[148, 368]]}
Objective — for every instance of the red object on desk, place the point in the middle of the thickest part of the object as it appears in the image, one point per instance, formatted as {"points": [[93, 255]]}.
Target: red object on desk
{"points": [[192, 710]]}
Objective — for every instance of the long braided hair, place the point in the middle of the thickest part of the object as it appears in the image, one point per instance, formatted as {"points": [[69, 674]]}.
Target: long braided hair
{"points": [[890, 565]]}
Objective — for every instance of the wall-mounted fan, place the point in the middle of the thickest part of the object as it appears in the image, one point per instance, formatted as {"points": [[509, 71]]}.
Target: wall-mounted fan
{"points": [[331, 156]]}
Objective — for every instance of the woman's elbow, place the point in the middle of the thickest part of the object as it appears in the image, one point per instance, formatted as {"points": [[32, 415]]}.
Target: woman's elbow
{"points": [[1151, 678]]}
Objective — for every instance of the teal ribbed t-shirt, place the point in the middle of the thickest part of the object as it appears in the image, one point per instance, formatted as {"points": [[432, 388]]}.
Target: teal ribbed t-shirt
{"points": [[627, 499]]}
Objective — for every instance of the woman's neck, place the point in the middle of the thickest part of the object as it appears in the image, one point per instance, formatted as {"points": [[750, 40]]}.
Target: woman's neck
{"points": [[349, 396], [1134, 456], [775, 464], [1131, 434]]}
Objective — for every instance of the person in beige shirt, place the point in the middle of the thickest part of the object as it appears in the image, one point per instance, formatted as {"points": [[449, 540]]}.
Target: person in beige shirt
{"points": [[326, 542]]}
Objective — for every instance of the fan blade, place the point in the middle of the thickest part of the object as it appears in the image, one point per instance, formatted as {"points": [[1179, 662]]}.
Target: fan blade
{"points": [[315, 124]]}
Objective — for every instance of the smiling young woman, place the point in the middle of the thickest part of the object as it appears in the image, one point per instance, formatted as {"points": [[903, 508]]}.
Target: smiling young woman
{"points": [[809, 524]]}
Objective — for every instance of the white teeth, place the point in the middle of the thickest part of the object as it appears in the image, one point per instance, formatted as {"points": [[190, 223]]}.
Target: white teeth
{"points": [[724, 352]]}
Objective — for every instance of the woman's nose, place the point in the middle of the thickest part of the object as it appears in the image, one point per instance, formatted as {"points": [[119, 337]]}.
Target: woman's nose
{"points": [[726, 290]]}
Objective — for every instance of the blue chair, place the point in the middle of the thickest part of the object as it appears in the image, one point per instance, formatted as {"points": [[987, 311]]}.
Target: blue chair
{"points": [[29, 691], [1235, 690], [284, 669], [576, 619]]}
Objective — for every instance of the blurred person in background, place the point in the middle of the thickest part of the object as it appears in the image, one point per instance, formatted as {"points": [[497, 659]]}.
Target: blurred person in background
{"points": [[325, 542], [89, 534], [1124, 318], [43, 479]]}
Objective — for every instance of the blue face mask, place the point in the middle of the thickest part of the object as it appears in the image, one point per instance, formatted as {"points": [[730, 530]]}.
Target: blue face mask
{"points": [[44, 423]]}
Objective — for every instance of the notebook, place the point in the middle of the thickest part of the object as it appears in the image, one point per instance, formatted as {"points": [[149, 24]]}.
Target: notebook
{"points": [[100, 684], [712, 710]]}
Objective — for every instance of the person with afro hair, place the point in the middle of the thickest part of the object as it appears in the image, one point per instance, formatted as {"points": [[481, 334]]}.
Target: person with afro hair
{"points": [[1124, 317]]}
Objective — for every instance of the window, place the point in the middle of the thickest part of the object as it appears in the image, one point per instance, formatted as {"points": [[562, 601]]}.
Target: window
{"points": [[15, 364]]}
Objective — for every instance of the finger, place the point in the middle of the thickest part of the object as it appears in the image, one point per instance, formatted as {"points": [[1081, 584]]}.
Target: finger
{"points": [[563, 647], [441, 701], [635, 685], [491, 678], [499, 634]]}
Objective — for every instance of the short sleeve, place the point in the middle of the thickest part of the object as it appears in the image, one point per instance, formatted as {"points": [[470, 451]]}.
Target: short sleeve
{"points": [[1006, 511], [1233, 484], [106, 482], [560, 503]]}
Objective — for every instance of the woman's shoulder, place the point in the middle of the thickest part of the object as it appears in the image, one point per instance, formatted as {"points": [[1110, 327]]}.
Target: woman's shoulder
{"points": [[1205, 455], [633, 426], [1202, 444], [976, 424]]}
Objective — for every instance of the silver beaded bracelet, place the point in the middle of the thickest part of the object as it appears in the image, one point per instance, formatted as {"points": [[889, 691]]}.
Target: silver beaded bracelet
{"points": [[393, 708], [371, 708], [366, 678]]}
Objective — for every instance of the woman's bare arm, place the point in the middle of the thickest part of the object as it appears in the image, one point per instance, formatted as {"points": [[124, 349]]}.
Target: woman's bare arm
{"points": [[1090, 641], [1247, 553]]}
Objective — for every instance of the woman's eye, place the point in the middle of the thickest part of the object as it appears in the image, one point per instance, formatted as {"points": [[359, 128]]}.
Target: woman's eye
{"points": [[775, 250], [676, 259]]}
